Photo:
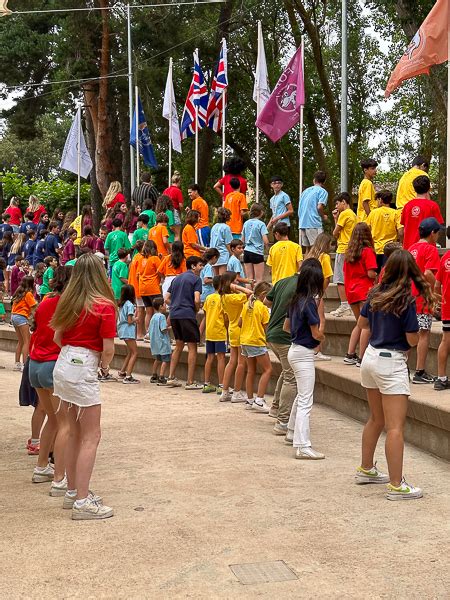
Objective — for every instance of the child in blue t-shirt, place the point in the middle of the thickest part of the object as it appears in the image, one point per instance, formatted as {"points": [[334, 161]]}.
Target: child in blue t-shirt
{"points": [[221, 237], [160, 347], [126, 330], [235, 265], [210, 257], [255, 238]]}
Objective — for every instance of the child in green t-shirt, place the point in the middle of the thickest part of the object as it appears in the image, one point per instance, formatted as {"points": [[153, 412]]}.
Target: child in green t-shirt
{"points": [[49, 273], [2, 310], [119, 273]]}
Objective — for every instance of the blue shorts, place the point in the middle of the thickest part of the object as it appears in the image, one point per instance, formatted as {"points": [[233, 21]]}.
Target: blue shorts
{"points": [[18, 320], [204, 236], [163, 358], [41, 373], [253, 351], [215, 347]]}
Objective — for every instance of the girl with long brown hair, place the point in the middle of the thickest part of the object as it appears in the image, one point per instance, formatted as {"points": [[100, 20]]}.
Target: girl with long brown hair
{"points": [[85, 327], [23, 306], [389, 316], [360, 271]]}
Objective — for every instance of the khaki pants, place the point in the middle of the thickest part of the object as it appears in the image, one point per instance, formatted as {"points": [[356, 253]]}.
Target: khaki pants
{"points": [[286, 389]]}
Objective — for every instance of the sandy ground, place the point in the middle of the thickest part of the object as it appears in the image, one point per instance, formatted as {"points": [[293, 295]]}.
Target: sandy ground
{"points": [[198, 486]]}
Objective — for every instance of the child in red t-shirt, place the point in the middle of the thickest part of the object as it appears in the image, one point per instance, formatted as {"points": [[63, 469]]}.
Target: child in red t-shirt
{"points": [[360, 271], [426, 256], [442, 288]]}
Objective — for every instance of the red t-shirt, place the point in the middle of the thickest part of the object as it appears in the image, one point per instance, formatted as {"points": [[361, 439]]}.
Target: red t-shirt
{"points": [[413, 213], [176, 195], [41, 210], [356, 281], [118, 199], [427, 258], [443, 275], [16, 215], [42, 346], [227, 189], [91, 329]]}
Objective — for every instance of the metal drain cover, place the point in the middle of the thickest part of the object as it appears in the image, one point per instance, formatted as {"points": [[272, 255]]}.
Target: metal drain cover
{"points": [[263, 572]]}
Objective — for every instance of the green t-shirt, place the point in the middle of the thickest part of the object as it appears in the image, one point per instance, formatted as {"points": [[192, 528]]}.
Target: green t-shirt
{"points": [[120, 269], [152, 217], [140, 234], [280, 295], [45, 287], [70, 263], [171, 222], [2, 310], [116, 240]]}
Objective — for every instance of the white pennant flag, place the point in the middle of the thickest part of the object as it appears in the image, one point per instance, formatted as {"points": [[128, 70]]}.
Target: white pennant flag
{"points": [[170, 111], [69, 159], [261, 91]]}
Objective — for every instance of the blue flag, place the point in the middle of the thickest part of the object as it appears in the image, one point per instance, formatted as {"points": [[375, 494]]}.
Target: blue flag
{"points": [[145, 142]]}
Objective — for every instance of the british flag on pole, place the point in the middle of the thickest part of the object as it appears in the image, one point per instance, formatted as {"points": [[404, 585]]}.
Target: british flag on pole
{"points": [[197, 98], [217, 98]]}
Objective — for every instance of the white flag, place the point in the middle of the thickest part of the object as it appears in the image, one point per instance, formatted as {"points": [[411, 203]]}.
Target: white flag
{"points": [[170, 111], [69, 159], [261, 89]]}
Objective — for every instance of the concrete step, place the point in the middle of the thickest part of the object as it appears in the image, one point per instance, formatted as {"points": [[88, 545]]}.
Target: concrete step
{"points": [[337, 385]]}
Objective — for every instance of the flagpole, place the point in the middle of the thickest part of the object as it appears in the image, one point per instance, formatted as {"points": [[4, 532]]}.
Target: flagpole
{"points": [[196, 130], [344, 93], [301, 140], [224, 125], [79, 162], [447, 203], [170, 122], [136, 109], [258, 103], [130, 96]]}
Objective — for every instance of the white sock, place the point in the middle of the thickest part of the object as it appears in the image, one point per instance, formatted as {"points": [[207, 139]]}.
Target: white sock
{"points": [[259, 400], [345, 304], [80, 503], [71, 492], [443, 378], [35, 442]]}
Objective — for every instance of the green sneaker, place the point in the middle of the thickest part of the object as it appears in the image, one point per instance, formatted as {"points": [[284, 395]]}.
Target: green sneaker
{"points": [[208, 388], [371, 476], [405, 491]]}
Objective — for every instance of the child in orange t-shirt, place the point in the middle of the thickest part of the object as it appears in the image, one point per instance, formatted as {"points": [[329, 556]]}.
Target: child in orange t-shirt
{"points": [[171, 266], [237, 205], [189, 236], [200, 205], [133, 280], [159, 234], [148, 278], [23, 305]]}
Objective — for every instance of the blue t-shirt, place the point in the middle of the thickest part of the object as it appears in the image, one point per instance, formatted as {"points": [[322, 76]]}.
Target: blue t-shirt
{"points": [[278, 205], [308, 215], [301, 318], [389, 331], [221, 236], [52, 243], [4, 227], [235, 265], [28, 250], [207, 288], [181, 290], [39, 252], [125, 330], [27, 227], [252, 233], [159, 336]]}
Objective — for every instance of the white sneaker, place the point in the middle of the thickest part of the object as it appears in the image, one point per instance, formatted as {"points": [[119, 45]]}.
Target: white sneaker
{"points": [[280, 428], [239, 397], [259, 405], [58, 488], [308, 454], [404, 492], [249, 404], [289, 439], [43, 474], [342, 311], [372, 476], [193, 386], [17, 366], [320, 356], [225, 396], [90, 510], [69, 499]]}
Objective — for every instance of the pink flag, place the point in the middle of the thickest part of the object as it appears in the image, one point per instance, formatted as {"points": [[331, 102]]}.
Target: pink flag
{"points": [[282, 110]]}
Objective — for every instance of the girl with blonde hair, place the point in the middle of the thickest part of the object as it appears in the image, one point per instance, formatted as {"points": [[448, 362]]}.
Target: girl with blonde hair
{"points": [[85, 327], [15, 213], [35, 207], [114, 195]]}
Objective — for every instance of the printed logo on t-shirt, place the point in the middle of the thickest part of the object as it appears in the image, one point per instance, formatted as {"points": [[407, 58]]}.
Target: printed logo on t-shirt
{"points": [[447, 264], [415, 211], [414, 254]]}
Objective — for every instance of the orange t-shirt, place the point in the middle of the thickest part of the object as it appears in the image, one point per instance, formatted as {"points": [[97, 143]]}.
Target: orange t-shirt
{"points": [[132, 273], [156, 234], [189, 237], [201, 206], [167, 269], [23, 307], [235, 202], [148, 276]]}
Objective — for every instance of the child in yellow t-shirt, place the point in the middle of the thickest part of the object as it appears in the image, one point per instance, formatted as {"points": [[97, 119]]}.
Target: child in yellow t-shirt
{"points": [[321, 250], [215, 335], [366, 191], [253, 321], [285, 257]]}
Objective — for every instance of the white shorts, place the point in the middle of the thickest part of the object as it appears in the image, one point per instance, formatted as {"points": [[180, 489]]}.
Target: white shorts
{"points": [[388, 374], [166, 285], [308, 236], [338, 275], [75, 376], [139, 302]]}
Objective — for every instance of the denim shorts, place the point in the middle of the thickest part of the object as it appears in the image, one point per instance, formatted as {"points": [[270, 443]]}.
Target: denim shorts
{"points": [[41, 373], [165, 358], [253, 351], [176, 217], [215, 347], [18, 320]]}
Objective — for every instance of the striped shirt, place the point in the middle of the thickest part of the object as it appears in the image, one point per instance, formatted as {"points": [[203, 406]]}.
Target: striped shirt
{"points": [[144, 191]]}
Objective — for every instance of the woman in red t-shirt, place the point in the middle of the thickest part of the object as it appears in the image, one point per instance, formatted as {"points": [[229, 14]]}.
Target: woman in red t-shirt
{"points": [[16, 214], [35, 207], [360, 271], [43, 355], [85, 327], [232, 167], [175, 194], [114, 195]]}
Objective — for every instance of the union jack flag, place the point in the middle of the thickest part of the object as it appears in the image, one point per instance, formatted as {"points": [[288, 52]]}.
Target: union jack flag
{"points": [[217, 98], [197, 97]]}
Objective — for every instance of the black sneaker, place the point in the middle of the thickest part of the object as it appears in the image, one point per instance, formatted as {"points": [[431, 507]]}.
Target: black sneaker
{"points": [[154, 379], [423, 378], [162, 380], [440, 385], [351, 359], [358, 362]]}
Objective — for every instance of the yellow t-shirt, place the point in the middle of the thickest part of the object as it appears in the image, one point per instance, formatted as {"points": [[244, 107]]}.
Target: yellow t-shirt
{"points": [[77, 226], [232, 306], [405, 190], [284, 257], [253, 321], [325, 262], [215, 323], [366, 192], [384, 222], [347, 220]]}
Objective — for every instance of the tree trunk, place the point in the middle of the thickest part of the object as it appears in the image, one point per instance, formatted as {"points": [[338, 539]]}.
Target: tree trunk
{"points": [[96, 196]]}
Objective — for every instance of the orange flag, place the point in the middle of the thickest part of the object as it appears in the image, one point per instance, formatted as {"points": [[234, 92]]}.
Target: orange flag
{"points": [[427, 48]]}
